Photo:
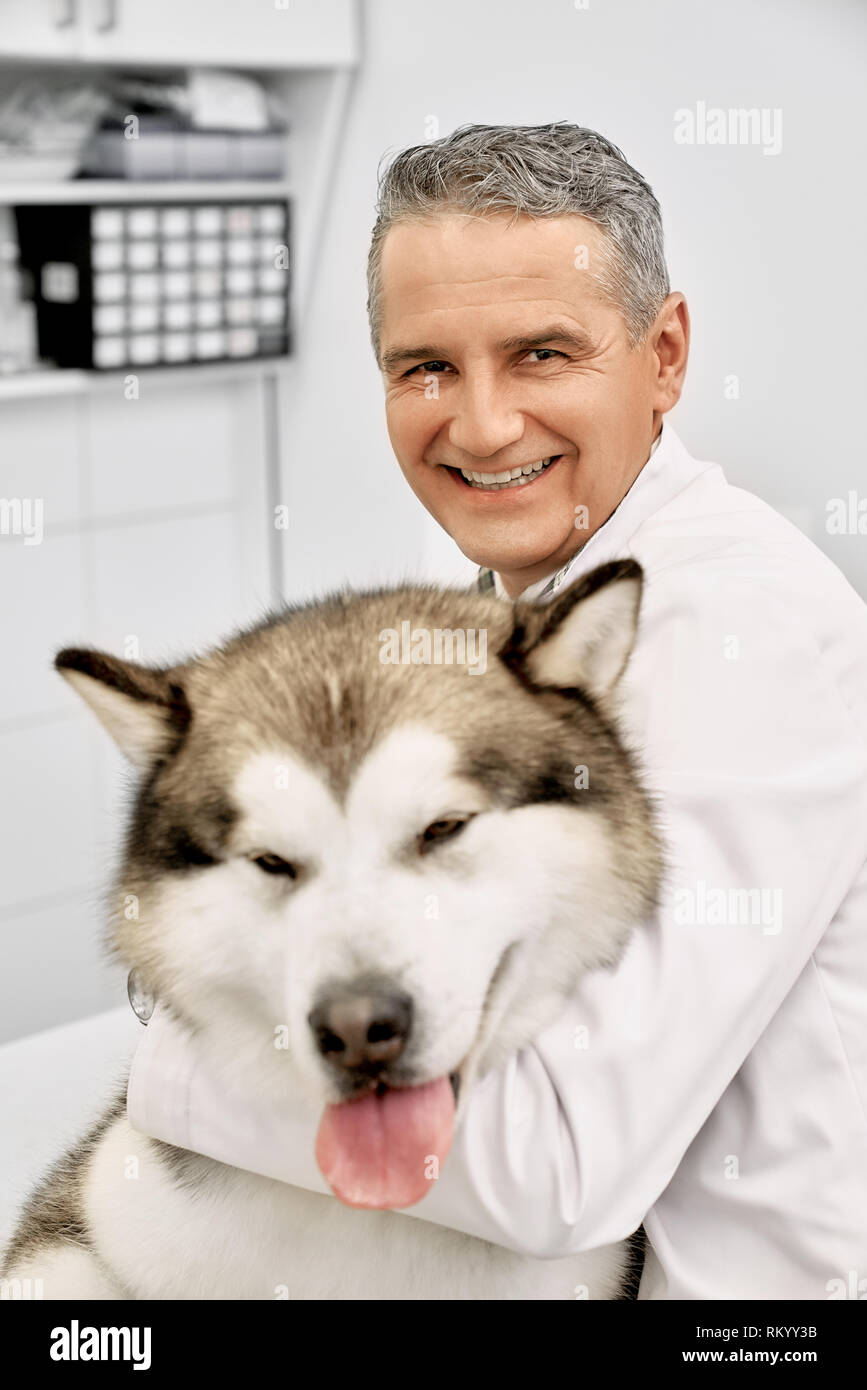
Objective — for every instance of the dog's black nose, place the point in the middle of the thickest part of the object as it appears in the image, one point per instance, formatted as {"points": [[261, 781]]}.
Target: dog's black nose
{"points": [[363, 1031]]}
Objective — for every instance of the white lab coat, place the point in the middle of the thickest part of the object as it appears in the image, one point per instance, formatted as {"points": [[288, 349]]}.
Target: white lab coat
{"points": [[714, 1085]]}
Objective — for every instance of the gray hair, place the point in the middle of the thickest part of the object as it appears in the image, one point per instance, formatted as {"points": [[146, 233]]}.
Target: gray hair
{"points": [[542, 171]]}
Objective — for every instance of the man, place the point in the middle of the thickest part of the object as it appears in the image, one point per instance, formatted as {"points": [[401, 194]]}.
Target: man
{"points": [[714, 1085]]}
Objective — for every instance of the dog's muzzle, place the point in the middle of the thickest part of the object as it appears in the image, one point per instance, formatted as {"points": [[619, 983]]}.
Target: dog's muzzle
{"points": [[362, 1032]]}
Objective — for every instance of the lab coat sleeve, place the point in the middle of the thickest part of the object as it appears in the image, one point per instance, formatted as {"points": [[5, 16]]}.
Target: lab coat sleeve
{"points": [[759, 769]]}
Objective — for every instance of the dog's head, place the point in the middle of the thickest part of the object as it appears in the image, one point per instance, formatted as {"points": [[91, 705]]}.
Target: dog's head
{"points": [[375, 841]]}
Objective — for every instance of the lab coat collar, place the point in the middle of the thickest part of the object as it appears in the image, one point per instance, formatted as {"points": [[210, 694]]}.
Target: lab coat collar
{"points": [[669, 469]]}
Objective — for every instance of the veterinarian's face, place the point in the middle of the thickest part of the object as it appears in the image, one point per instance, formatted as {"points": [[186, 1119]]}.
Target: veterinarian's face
{"points": [[499, 352]]}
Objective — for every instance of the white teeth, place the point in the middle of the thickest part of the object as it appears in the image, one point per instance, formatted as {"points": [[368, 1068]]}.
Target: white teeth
{"points": [[516, 477]]}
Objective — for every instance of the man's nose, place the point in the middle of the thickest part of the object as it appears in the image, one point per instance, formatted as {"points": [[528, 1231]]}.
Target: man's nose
{"points": [[363, 1031], [485, 421]]}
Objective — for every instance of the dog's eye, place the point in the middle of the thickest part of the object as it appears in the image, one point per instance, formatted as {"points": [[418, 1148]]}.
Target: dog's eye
{"points": [[438, 830], [273, 864]]}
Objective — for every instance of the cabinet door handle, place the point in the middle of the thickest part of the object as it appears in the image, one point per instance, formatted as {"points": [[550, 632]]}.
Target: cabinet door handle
{"points": [[66, 16], [109, 17]]}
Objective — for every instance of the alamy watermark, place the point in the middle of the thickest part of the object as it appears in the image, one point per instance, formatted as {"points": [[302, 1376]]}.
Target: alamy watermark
{"points": [[706, 906], [21, 1290], [846, 516], [438, 646], [734, 125], [22, 516], [77, 1343]]}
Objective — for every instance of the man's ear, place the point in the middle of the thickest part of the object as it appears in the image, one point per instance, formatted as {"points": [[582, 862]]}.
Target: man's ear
{"points": [[583, 639], [144, 709]]}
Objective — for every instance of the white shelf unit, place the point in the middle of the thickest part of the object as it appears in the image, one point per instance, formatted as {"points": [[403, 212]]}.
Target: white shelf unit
{"points": [[314, 77], [51, 382], [142, 190], [159, 510]]}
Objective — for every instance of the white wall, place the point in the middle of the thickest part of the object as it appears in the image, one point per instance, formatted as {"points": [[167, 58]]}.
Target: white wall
{"points": [[154, 531], [767, 249]]}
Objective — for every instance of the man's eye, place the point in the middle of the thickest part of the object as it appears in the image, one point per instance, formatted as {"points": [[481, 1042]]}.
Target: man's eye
{"points": [[273, 864], [427, 367], [551, 353]]}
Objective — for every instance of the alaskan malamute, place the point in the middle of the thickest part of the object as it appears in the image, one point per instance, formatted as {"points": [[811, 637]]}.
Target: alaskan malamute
{"points": [[394, 828]]}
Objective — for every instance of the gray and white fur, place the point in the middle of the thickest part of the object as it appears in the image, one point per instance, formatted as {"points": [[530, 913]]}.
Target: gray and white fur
{"points": [[301, 804]]}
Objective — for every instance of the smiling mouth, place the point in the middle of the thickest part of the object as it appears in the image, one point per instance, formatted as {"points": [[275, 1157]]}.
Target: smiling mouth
{"points": [[508, 479]]}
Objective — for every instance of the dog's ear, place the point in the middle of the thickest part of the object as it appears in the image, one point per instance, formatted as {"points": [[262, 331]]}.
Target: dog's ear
{"points": [[583, 639], [144, 709]]}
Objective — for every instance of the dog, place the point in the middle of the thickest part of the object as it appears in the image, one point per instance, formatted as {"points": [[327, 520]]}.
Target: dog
{"points": [[396, 826]]}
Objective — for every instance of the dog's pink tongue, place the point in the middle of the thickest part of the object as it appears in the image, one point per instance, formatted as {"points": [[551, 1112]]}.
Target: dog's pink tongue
{"points": [[378, 1152]]}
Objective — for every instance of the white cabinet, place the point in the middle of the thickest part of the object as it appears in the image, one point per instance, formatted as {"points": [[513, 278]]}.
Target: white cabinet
{"points": [[43, 608], [168, 450], [39, 28], [238, 33], [300, 33], [43, 950], [158, 527], [49, 777]]}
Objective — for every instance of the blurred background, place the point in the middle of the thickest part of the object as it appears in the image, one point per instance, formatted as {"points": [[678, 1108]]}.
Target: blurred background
{"points": [[191, 420]]}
